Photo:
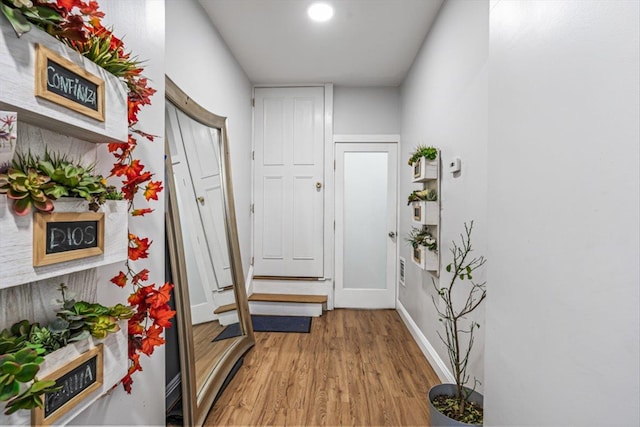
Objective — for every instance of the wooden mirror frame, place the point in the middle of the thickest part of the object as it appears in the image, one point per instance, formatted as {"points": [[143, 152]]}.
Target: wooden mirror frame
{"points": [[196, 404]]}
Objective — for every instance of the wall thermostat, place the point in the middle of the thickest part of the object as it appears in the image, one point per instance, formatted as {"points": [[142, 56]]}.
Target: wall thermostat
{"points": [[454, 165]]}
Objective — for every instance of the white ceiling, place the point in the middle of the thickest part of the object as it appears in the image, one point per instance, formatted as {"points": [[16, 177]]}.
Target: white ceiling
{"points": [[367, 43]]}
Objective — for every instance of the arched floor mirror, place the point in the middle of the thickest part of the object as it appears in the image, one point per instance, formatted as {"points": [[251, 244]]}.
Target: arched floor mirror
{"points": [[204, 252]]}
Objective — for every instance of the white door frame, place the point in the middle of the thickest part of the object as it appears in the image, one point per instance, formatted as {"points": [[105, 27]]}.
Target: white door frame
{"points": [[325, 285], [383, 138]]}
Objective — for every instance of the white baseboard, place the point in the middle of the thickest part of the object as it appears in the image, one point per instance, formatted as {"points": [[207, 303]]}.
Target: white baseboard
{"points": [[285, 308], [438, 365]]}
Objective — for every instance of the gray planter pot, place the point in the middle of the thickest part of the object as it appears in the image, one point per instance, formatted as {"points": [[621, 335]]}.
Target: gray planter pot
{"points": [[438, 419]]}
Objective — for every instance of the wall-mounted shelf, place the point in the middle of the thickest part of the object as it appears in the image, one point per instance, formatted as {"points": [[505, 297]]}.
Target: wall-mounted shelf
{"points": [[425, 170], [425, 214], [425, 259], [18, 71], [16, 242], [115, 364]]}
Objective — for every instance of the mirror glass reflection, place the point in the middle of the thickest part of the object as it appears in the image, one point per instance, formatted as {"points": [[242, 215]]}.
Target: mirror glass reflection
{"points": [[204, 252]]}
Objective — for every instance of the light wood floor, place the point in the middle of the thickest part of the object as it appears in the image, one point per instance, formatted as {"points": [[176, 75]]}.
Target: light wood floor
{"points": [[356, 367]]}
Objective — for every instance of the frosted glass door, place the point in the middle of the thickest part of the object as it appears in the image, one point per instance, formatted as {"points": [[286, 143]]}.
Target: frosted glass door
{"points": [[365, 220], [365, 225]]}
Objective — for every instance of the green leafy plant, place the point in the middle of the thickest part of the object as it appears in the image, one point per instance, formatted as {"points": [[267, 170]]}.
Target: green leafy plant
{"points": [[22, 367], [19, 363], [23, 346], [430, 195], [84, 319], [21, 13], [458, 328], [422, 237], [37, 182], [429, 153], [76, 180]]}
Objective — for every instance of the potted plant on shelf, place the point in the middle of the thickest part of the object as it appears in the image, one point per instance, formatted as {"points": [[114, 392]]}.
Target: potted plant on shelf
{"points": [[24, 345], [425, 248], [429, 153], [430, 195], [456, 404], [424, 162], [35, 182]]}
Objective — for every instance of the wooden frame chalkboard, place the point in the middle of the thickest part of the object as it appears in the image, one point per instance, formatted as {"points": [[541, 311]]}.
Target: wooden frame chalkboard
{"points": [[68, 84], [65, 236], [78, 378]]}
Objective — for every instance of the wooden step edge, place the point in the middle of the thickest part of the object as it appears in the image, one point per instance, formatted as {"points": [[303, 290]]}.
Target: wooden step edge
{"points": [[308, 299], [302, 279], [225, 308]]}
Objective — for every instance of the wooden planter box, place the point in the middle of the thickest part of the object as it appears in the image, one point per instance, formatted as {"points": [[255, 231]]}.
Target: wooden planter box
{"points": [[111, 368], [425, 259], [17, 242], [18, 70], [425, 212], [424, 169]]}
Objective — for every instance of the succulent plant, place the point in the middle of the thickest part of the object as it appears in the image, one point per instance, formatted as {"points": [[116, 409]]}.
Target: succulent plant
{"points": [[19, 363], [101, 326], [28, 189], [16, 368], [49, 340], [416, 196], [432, 195], [77, 180], [422, 237], [32, 181], [120, 312], [429, 153], [23, 345]]}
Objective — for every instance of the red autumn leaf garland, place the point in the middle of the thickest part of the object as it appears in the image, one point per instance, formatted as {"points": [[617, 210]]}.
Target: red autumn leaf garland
{"points": [[77, 23]]}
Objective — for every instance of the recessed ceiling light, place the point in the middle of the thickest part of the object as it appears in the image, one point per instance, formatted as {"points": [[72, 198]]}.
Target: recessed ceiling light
{"points": [[320, 12]]}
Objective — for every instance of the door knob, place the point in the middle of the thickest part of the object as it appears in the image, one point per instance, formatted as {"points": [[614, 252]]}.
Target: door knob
{"points": [[201, 200], [392, 234], [318, 185]]}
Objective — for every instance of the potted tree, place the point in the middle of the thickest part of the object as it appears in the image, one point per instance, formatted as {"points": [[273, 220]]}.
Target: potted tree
{"points": [[456, 404]]}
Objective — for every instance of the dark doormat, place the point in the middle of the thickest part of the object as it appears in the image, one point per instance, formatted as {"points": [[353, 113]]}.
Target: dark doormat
{"points": [[269, 324]]}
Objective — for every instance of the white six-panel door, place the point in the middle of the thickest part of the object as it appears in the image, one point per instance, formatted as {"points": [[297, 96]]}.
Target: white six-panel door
{"points": [[203, 154], [200, 275], [289, 184], [366, 215]]}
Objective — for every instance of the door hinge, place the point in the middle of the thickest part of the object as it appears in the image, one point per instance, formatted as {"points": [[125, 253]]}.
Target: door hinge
{"points": [[252, 208], [252, 259], [253, 155], [334, 165], [334, 226], [253, 102]]}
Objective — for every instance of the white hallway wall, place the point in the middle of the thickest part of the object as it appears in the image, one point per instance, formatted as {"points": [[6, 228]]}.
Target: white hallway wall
{"points": [[200, 63], [545, 117], [366, 110], [562, 322], [444, 104], [141, 23]]}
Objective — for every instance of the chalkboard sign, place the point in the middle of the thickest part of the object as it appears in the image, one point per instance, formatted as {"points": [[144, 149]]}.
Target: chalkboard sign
{"points": [[67, 236], [68, 84], [76, 380], [71, 86], [64, 236]]}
